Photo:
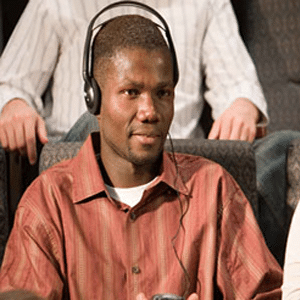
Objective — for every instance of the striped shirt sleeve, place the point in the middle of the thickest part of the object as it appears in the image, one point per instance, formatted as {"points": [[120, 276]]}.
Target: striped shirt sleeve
{"points": [[27, 63], [229, 70]]}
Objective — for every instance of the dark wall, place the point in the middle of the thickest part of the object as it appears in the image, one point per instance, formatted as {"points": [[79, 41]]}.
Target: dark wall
{"points": [[10, 11]]}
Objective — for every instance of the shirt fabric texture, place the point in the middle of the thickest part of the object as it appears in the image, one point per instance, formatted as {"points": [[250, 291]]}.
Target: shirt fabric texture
{"points": [[71, 240], [207, 44], [291, 279]]}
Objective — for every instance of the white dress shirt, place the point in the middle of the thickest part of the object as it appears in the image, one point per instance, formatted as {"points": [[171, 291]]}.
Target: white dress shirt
{"points": [[291, 270], [47, 48]]}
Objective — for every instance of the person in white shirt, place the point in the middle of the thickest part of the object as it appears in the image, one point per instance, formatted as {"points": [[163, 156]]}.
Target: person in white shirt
{"points": [[46, 50]]}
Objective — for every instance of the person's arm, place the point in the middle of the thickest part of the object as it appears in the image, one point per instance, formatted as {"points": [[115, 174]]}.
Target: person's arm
{"points": [[230, 78], [246, 268], [26, 66], [33, 259], [291, 274]]}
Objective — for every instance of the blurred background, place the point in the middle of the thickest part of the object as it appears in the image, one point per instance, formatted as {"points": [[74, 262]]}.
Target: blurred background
{"points": [[10, 11]]}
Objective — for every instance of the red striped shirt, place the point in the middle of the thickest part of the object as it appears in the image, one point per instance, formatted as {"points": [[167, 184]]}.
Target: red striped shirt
{"points": [[71, 240]]}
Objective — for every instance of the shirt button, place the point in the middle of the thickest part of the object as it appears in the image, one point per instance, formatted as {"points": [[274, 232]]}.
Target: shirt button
{"points": [[132, 216], [136, 270]]}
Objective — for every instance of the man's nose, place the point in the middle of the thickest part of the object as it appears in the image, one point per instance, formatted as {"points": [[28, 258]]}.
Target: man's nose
{"points": [[147, 110]]}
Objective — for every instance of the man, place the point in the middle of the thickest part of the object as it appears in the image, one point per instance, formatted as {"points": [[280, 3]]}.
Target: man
{"points": [[126, 220], [208, 45]]}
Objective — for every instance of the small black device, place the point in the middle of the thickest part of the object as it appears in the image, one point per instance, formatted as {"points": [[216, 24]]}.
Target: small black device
{"points": [[92, 92], [166, 297]]}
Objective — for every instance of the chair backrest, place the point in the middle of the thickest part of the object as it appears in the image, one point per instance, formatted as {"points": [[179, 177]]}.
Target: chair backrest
{"points": [[235, 156]]}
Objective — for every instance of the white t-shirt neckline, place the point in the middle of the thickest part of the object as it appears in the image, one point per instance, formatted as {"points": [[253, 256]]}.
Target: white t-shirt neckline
{"points": [[130, 196]]}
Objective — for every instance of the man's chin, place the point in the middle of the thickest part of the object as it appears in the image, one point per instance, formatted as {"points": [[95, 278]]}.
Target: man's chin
{"points": [[145, 158]]}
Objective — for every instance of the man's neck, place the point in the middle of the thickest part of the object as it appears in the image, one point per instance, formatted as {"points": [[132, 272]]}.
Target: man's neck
{"points": [[117, 172], [128, 175]]}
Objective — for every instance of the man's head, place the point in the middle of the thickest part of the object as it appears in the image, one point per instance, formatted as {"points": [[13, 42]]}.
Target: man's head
{"points": [[133, 67], [126, 32]]}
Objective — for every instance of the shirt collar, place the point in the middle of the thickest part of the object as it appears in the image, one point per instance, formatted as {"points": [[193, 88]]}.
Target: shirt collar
{"points": [[170, 174], [88, 181]]}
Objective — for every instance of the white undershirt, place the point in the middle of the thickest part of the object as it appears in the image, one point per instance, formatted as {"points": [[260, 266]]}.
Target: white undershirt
{"points": [[130, 196]]}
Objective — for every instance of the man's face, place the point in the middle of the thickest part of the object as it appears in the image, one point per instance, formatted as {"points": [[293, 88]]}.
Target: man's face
{"points": [[137, 105]]}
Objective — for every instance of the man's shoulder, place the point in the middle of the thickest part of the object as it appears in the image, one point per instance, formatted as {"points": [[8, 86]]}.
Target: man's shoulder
{"points": [[49, 193], [58, 171], [60, 174], [189, 164], [65, 158], [191, 160]]}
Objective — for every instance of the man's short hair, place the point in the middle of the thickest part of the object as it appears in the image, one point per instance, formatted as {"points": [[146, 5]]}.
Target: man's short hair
{"points": [[127, 32]]}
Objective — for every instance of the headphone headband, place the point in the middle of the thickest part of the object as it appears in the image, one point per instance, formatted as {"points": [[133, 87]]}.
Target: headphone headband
{"points": [[92, 92]]}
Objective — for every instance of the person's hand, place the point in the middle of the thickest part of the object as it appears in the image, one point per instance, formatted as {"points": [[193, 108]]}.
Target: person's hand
{"points": [[141, 296], [238, 122], [20, 125]]}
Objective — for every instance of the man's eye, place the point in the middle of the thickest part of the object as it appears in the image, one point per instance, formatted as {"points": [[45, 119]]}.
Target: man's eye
{"points": [[164, 93], [131, 92]]}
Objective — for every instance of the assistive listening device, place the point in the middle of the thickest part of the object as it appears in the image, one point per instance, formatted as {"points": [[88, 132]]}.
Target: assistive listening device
{"points": [[92, 92]]}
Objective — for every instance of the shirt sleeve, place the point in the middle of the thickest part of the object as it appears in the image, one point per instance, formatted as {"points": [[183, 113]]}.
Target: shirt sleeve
{"points": [[246, 268], [33, 259], [29, 58], [230, 72], [291, 277]]}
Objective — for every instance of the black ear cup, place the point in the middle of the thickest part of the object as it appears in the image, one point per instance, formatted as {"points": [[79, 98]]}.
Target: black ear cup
{"points": [[92, 96], [92, 92]]}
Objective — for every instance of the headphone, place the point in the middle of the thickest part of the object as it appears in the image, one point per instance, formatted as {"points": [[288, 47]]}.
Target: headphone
{"points": [[92, 92]]}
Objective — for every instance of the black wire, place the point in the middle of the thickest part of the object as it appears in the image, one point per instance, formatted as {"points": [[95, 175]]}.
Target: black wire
{"points": [[180, 226]]}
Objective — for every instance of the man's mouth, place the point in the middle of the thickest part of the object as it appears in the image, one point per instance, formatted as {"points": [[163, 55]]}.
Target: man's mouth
{"points": [[146, 137]]}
